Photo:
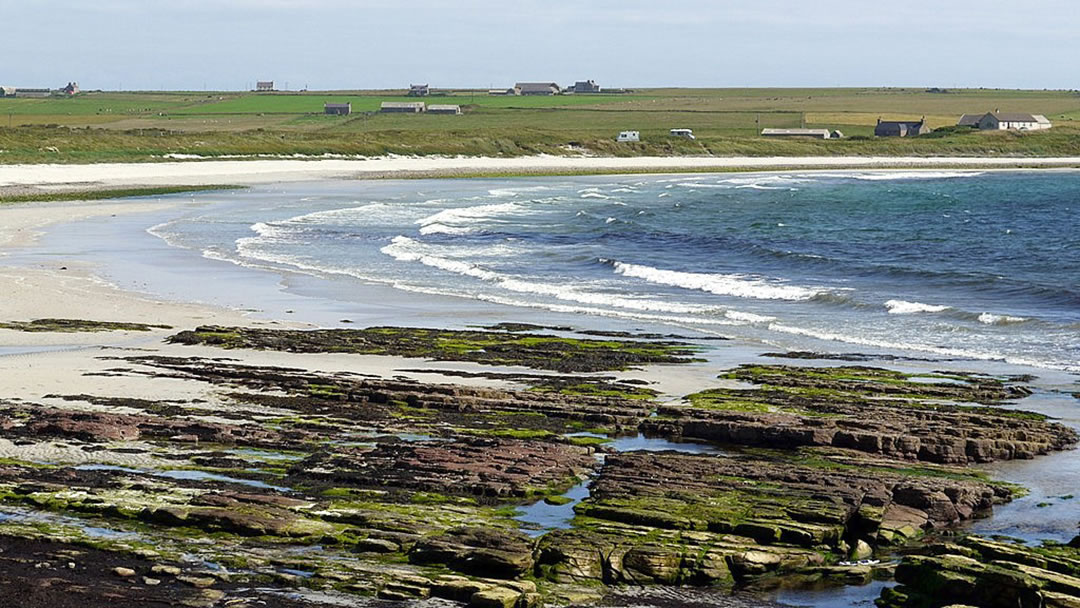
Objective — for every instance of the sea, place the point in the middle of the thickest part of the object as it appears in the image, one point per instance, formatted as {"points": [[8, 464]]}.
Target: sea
{"points": [[956, 265]]}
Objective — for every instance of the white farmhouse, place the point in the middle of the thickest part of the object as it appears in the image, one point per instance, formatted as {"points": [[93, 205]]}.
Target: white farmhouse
{"points": [[1005, 121]]}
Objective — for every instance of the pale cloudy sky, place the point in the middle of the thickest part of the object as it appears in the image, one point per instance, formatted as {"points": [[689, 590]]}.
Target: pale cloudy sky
{"points": [[326, 44]]}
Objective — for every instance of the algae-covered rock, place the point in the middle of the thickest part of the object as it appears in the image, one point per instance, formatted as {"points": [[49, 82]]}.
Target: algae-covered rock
{"points": [[989, 573], [481, 551], [495, 597]]}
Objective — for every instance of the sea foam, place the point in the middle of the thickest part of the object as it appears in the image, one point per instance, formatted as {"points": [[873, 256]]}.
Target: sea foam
{"points": [[720, 284], [901, 307]]}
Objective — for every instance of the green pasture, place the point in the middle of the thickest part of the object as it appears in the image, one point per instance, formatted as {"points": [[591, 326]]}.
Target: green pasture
{"points": [[146, 126]]}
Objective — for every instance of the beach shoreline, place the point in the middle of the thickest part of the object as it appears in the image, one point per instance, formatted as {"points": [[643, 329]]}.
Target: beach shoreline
{"points": [[44, 179]]}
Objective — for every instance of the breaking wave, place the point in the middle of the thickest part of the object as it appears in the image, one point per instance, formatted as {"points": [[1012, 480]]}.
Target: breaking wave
{"points": [[739, 286]]}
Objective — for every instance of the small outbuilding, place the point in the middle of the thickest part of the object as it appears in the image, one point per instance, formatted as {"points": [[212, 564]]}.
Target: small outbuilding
{"points": [[502, 92], [443, 108], [537, 88], [814, 133], [402, 107], [419, 90], [337, 109], [901, 128], [264, 86], [628, 136]]}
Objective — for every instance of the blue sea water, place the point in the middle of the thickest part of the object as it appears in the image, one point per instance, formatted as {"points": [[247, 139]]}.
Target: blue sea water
{"points": [[946, 264]]}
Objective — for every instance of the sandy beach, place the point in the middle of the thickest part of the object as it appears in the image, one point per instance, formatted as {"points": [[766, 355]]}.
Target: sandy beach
{"points": [[21, 179]]}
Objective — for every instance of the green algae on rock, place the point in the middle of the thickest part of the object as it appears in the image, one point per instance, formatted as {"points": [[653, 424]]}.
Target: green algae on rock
{"points": [[878, 411], [487, 347], [77, 325], [982, 572]]}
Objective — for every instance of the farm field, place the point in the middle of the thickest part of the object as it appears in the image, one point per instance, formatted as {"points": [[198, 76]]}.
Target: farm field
{"points": [[147, 126]]}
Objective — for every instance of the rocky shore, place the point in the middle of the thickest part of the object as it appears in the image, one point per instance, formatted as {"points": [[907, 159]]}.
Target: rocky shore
{"points": [[293, 486]]}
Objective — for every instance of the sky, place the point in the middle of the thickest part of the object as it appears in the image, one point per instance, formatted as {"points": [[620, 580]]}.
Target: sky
{"points": [[371, 44]]}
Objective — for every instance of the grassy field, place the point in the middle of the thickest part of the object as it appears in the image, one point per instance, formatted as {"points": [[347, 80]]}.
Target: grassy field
{"points": [[101, 126]]}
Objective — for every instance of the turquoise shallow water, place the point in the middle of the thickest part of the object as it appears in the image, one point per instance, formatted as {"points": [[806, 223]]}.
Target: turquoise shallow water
{"points": [[949, 264]]}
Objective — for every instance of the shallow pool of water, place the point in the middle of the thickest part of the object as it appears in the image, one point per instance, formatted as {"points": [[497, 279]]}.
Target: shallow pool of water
{"points": [[541, 517], [1047, 512], [656, 444], [205, 476], [833, 596]]}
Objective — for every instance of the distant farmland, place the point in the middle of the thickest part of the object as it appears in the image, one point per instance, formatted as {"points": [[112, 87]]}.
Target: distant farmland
{"points": [[148, 126]]}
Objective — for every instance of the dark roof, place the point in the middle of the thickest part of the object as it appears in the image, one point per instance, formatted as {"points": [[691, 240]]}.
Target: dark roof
{"points": [[1013, 117], [910, 123], [970, 120]]}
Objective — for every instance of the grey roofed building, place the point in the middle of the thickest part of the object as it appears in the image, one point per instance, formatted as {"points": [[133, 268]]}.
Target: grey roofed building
{"points": [[408, 107], [1019, 121], [419, 90], [443, 109], [586, 86], [264, 85], [1001, 121], [970, 120], [901, 128], [502, 92], [537, 88], [337, 109], [22, 92], [815, 133]]}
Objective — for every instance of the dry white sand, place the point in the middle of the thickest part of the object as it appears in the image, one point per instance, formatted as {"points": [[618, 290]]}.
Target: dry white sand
{"points": [[242, 172]]}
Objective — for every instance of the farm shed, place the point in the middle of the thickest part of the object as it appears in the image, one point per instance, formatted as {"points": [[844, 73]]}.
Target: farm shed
{"points": [[406, 107], [537, 88], [338, 109], [443, 109], [815, 133], [901, 128], [264, 86], [21, 92]]}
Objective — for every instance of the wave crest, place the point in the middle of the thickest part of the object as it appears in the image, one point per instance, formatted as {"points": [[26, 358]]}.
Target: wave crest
{"points": [[720, 284]]}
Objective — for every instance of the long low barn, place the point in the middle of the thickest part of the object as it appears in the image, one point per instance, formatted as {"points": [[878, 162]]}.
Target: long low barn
{"points": [[815, 133], [445, 108], [406, 107]]}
